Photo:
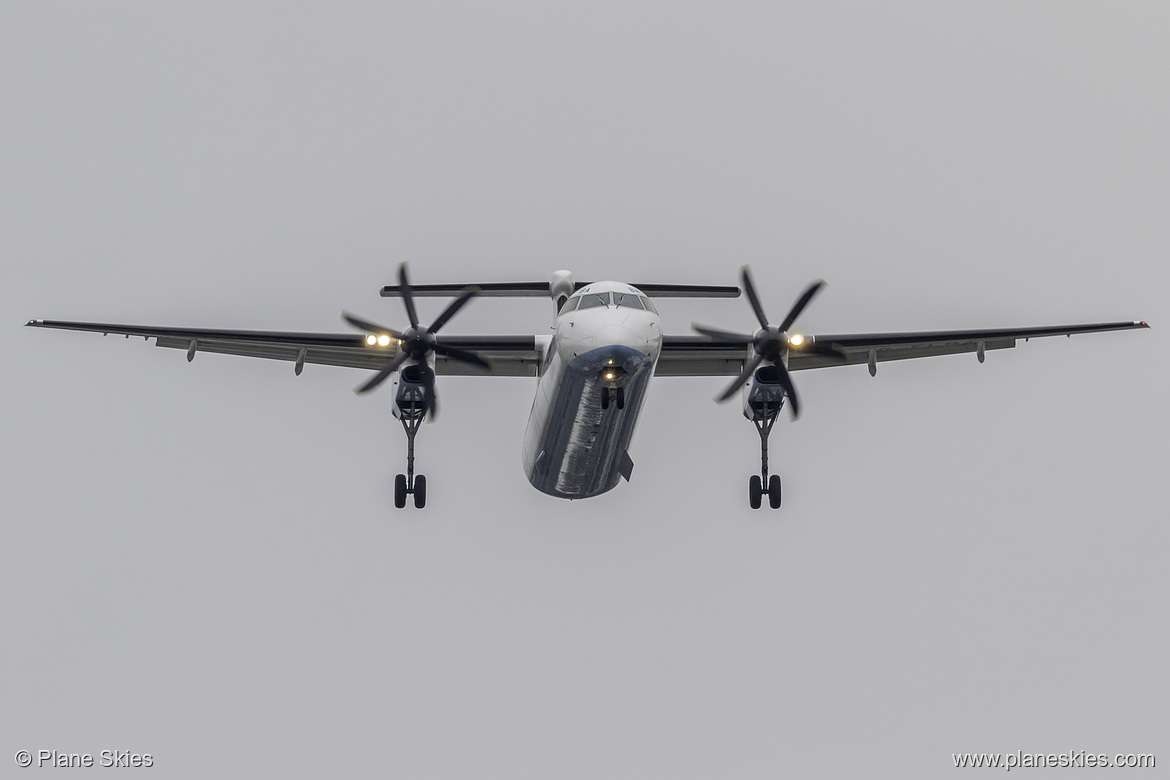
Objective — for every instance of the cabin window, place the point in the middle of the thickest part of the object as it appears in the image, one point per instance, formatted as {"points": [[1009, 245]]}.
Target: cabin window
{"points": [[629, 300], [593, 300]]}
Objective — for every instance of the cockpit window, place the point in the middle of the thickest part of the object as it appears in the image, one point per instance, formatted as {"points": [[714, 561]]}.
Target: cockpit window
{"points": [[593, 300], [646, 304], [629, 300], [570, 304]]}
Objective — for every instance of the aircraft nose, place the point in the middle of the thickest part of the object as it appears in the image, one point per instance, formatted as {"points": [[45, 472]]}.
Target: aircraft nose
{"points": [[616, 334]]}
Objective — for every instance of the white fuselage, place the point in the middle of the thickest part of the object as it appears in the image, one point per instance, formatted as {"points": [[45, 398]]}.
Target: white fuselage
{"points": [[592, 385]]}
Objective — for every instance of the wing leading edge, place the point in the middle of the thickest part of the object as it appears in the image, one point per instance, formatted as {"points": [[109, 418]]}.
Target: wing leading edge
{"points": [[699, 356], [509, 355]]}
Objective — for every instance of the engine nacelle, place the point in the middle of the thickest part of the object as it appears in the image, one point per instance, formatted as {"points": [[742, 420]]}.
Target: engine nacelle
{"points": [[410, 391], [765, 395]]}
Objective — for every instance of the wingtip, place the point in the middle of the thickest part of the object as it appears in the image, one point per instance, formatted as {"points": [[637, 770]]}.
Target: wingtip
{"points": [[34, 323], [1143, 324]]}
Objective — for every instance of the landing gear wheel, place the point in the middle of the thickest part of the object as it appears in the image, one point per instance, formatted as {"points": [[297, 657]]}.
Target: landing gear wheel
{"points": [[621, 398], [605, 398], [755, 491], [774, 491], [400, 491], [420, 491]]}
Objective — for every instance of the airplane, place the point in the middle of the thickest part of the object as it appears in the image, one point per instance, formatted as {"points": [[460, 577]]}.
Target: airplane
{"points": [[592, 372]]}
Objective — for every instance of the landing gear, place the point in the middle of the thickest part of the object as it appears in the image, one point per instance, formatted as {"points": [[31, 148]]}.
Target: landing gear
{"points": [[400, 491], [762, 484], [420, 491], [406, 484], [615, 395], [774, 491]]}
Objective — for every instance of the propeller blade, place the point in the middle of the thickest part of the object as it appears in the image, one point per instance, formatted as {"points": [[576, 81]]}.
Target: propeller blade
{"points": [[722, 335], [384, 374], [430, 397], [789, 389], [748, 369], [462, 355], [369, 327], [455, 305], [407, 295], [798, 307], [745, 275]]}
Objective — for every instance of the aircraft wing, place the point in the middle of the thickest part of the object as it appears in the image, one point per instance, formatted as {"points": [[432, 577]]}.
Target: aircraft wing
{"points": [[509, 355], [699, 356], [520, 355]]}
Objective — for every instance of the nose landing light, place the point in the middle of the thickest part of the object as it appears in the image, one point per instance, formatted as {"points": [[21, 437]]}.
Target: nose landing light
{"points": [[611, 373]]}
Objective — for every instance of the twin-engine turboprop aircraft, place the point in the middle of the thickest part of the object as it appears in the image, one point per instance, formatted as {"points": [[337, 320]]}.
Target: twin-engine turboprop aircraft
{"points": [[592, 373]]}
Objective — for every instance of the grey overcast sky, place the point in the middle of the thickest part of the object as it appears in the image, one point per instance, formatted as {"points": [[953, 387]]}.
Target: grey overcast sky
{"points": [[202, 562]]}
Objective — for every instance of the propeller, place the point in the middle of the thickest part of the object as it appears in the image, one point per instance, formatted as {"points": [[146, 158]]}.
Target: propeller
{"points": [[771, 342], [417, 342]]}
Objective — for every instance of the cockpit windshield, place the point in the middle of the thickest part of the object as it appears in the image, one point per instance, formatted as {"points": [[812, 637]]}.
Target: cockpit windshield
{"points": [[593, 300], [629, 300]]}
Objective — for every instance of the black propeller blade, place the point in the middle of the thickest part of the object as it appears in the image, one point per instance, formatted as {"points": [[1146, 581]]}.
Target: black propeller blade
{"points": [[370, 327], [769, 343], [461, 355], [801, 302], [455, 305], [723, 335], [789, 390], [407, 295], [749, 368], [382, 375], [417, 342], [745, 276]]}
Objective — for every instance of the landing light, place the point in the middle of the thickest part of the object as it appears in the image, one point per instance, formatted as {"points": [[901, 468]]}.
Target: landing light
{"points": [[796, 340], [383, 340], [371, 340], [609, 375]]}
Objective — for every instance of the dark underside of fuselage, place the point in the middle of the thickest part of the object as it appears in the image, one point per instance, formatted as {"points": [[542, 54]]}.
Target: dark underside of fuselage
{"points": [[585, 444]]}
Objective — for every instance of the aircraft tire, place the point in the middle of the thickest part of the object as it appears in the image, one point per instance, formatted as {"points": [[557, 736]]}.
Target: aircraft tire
{"points": [[400, 491], [420, 491], [774, 491], [755, 491]]}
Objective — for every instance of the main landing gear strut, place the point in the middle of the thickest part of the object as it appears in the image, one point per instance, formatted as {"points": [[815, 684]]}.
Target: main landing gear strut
{"points": [[761, 484], [410, 483]]}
